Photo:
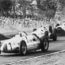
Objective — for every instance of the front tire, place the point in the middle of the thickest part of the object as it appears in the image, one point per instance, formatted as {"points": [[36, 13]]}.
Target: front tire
{"points": [[23, 48], [45, 45]]}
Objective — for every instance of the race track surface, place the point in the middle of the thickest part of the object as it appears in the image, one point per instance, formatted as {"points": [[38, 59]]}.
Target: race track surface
{"points": [[54, 46]]}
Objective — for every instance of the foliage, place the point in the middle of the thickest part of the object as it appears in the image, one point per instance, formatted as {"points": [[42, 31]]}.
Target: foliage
{"points": [[62, 2], [49, 6], [5, 5], [23, 5]]}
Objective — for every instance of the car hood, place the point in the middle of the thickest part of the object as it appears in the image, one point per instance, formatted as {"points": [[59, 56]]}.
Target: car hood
{"points": [[15, 39]]}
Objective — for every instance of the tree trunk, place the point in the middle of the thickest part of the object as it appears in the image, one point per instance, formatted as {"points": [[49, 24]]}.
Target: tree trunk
{"points": [[24, 11]]}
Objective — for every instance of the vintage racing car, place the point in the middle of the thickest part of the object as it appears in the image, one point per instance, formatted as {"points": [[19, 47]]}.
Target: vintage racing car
{"points": [[22, 43]]}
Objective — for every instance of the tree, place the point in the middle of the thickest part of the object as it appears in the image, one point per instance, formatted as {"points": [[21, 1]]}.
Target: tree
{"points": [[49, 6], [41, 4], [51, 9], [5, 6], [62, 2], [23, 4]]}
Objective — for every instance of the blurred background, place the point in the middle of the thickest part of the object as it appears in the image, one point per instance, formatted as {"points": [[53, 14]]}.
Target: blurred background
{"points": [[20, 15]]}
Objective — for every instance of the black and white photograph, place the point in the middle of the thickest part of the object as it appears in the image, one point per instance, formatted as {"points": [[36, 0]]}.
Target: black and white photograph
{"points": [[32, 32]]}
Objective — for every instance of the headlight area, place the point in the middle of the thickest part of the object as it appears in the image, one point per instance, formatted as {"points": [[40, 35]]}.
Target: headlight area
{"points": [[9, 47], [5, 47]]}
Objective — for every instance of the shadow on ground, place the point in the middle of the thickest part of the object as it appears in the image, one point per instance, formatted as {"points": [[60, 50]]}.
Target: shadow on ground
{"points": [[33, 54]]}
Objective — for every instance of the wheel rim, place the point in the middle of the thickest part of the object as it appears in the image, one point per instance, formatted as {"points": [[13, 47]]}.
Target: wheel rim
{"points": [[23, 48], [45, 44]]}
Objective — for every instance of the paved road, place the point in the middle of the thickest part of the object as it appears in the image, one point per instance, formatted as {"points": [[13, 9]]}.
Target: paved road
{"points": [[53, 47]]}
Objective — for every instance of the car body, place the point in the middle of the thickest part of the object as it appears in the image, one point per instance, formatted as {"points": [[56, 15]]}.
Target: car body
{"points": [[22, 43], [12, 43]]}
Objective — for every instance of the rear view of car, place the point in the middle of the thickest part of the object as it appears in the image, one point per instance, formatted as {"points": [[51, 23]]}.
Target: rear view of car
{"points": [[61, 29]]}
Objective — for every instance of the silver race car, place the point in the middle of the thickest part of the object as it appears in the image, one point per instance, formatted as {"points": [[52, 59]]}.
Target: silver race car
{"points": [[22, 43]]}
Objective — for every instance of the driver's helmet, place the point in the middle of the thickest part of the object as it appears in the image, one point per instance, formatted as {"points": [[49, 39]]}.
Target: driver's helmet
{"points": [[22, 33]]}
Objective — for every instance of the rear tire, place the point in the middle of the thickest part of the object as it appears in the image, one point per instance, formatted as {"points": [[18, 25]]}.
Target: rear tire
{"points": [[23, 48], [54, 35], [45, 45]]}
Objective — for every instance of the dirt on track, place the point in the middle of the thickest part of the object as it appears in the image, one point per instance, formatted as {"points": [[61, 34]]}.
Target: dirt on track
{"points": [[51, 59]]}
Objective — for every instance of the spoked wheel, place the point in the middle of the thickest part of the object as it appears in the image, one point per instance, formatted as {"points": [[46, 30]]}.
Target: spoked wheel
{"points": [[23, 48], [45, 45]]}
